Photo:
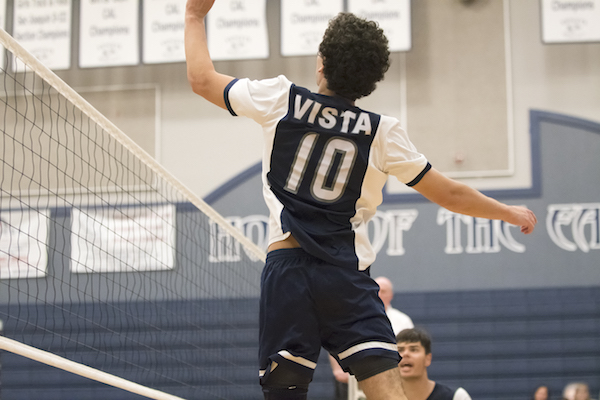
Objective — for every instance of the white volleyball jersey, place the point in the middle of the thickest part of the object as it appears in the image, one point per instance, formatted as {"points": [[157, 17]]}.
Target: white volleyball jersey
{"points": [[325, 163]]}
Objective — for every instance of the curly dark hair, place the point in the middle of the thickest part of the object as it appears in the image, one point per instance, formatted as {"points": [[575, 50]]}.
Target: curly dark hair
{"points": [[355, 55]]}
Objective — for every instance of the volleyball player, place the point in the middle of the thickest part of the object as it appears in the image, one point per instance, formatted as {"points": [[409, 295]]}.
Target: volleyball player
{"points": [[325, 164], [414, 345]]}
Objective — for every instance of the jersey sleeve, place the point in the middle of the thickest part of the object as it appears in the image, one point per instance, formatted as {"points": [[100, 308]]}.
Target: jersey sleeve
{"points": [[461, 394], [396, 155], [258, 99]]}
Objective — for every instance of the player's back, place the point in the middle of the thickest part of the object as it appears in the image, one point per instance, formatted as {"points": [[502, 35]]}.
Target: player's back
{"points": [[318, 163], [325, 163]]}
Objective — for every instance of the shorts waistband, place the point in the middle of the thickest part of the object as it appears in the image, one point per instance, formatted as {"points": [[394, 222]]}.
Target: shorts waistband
{"points": [[287, 253]]}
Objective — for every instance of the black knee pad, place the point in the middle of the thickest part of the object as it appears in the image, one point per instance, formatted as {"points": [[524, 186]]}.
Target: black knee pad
{"points": [[371, 366], [285, 379]]}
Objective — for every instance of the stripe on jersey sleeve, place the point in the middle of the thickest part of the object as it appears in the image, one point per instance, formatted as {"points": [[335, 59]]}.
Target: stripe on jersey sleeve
{"points": [[420, 176], [226, 96]]}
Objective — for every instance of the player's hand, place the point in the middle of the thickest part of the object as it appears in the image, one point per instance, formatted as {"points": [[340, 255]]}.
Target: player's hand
{"points": [[523, 217], [199, 8]]}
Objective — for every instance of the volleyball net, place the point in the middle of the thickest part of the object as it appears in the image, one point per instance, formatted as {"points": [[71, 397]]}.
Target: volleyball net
{"points": [[109, 267]]}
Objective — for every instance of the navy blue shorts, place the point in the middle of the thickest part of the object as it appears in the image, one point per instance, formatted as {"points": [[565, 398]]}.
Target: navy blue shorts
{"points": [[307, 303]]}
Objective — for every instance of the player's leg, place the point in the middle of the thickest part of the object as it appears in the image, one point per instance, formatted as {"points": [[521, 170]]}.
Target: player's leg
{"points": [[287, 377], [289, 334], [386, 385], [358, 333]]}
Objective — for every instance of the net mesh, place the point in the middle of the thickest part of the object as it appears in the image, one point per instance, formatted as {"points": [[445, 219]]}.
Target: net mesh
{"points": [[107, 260]]}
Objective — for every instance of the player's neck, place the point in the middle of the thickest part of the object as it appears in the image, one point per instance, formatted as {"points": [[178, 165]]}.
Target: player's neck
{"points": [[324, 90], [419, 388]]}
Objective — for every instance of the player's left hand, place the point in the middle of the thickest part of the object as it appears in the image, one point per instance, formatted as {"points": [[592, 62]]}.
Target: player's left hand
{"points": [[523, 217], [199, 8]]}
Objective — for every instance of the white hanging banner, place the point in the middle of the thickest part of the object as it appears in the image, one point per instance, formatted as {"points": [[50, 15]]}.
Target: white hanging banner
{"points": [[43, 27], [164, 22], [303, 23], [570, 21], [237, 30], [3, 26], [393, 16], [23, 244], [108, 34], [123, 240]]}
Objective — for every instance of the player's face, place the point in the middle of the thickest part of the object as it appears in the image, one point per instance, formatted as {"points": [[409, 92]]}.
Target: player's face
{"points": [[414, 361]]}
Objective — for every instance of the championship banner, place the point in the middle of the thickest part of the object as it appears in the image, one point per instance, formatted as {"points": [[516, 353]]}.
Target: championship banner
{"points": [[164, 22], [393, 17], [237, 30], [43, 27], [108, 34], [570, 21], [303, 23], [23, 244], [123, 240]]}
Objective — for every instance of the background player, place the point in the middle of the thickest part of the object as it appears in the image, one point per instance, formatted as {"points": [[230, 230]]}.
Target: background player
{"points": [[414, 346], [398, 319], [325, 162]]}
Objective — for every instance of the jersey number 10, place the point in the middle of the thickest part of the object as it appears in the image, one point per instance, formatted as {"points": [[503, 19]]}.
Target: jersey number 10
{"points": [[335, 162]]}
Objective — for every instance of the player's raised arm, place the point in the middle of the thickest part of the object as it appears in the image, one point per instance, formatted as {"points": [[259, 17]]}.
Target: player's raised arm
{"points": [[460, 198], [201, 73]]}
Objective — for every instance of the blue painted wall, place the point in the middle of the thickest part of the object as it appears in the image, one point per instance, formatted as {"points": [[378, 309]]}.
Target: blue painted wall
{"points": [[438, 251]]}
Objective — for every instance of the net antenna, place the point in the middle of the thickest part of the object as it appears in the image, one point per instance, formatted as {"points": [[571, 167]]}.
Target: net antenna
{"points": [[110, 268]]}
